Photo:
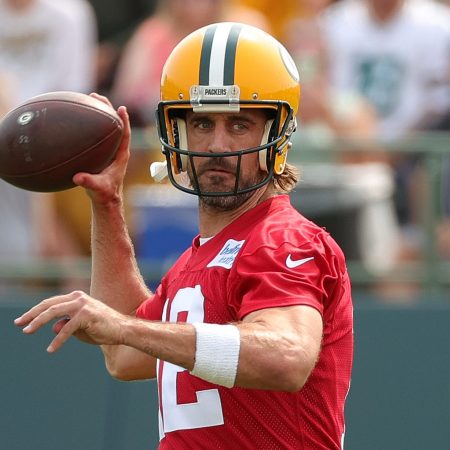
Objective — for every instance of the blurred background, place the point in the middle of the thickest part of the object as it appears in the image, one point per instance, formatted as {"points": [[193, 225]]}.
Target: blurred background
{"points": [[373, 147]]}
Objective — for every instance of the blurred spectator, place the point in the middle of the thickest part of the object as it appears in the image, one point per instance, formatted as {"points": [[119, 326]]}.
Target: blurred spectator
{"points": [[362, 217], [139, 72], [30, 230], [47, 45], [325, 110], [17, 242], [116, 21], [396, 54]]}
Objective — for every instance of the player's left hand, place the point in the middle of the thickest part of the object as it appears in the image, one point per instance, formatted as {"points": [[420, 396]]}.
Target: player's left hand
{"points": [[79, 315]]}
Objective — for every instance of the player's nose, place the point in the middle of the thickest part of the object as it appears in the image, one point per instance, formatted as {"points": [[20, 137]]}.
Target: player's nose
{"points": [[220, 141]]}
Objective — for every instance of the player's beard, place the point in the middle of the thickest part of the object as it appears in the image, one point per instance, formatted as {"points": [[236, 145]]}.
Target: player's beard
{"points": [[217, 184]]}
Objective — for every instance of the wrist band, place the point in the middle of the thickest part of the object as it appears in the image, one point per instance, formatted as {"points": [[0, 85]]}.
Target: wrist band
{"points": [[217, 353]]}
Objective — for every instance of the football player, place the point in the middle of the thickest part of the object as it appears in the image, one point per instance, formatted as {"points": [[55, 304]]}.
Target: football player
{"points": [[250, 332]]}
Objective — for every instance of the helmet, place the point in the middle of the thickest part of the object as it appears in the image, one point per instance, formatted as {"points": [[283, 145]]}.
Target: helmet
{"points": [[221, 68]]}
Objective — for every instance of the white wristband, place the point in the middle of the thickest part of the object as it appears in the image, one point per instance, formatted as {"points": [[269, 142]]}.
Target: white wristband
{"points": [[217, 353]]}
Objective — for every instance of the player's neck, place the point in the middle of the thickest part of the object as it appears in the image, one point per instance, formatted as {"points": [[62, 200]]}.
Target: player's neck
{"points": [[213, 220]]}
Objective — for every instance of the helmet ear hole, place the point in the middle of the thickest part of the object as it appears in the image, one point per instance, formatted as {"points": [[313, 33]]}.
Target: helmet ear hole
{"points": [[264, 155]]}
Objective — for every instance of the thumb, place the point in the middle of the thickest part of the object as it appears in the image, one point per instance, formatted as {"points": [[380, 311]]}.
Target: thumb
{"points": [[84, 179]]}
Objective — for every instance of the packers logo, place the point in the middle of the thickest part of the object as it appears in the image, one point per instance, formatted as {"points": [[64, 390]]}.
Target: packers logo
{"points": [[25, 118]]}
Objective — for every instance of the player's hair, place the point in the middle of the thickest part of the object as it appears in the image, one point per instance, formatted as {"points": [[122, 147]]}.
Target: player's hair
{"points": [[286, 181]]}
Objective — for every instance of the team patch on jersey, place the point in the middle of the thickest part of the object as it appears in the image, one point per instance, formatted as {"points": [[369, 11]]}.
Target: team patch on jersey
{"points": [[225, 258]]}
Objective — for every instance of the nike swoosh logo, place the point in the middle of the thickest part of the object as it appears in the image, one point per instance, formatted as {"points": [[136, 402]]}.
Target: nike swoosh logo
{"points": [[292, 264]]}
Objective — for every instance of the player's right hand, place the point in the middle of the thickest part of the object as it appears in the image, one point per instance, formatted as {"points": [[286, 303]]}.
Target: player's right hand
{"points": [[107, 186]]}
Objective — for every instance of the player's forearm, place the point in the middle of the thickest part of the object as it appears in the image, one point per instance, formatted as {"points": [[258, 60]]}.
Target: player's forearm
{"points": [[115, 277], [171, 342], [128, 364], [266, 360]]}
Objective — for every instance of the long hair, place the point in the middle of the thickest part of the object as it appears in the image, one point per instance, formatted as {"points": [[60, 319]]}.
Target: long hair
{"points": [[286, 181]]}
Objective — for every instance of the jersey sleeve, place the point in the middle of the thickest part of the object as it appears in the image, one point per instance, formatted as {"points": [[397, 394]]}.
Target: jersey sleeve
{"points": [[286, 275]]}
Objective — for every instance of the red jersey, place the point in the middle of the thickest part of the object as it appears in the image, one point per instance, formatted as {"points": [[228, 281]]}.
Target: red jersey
{"points": [[271, 256]]}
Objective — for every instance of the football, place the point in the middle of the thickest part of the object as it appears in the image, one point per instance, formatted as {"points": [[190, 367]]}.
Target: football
{"points": [[46, 140]]}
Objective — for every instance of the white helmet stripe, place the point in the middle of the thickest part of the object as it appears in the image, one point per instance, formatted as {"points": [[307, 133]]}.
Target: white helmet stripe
{"points": [[218, 55], [217, 63]]}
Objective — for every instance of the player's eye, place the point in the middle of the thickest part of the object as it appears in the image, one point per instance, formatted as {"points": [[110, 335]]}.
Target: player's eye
{"points": [[205, 124], [240, 126]]}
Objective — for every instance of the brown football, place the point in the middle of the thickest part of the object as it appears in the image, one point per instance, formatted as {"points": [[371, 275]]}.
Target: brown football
{"points": [[45, 141]]}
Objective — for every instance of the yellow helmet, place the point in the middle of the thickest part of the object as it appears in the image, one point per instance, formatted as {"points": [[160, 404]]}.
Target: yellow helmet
{"points": [[221, 68]]}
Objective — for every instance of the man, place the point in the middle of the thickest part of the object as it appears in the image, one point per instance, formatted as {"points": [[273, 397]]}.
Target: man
{"points": [[250, 332]]}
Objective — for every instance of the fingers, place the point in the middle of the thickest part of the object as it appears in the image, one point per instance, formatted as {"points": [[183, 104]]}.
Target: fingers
{"points": [[123, 152], [77, 314], [28, 316], [102, 98], [52, 312], [57, 326], [63, 306], [56, 311], [70, 327], [122, 110]]}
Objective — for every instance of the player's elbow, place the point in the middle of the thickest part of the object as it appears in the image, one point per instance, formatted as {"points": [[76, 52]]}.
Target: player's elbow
{"points": [[119, 373], [115, 369], [125, 364], [128, 373], [292, 380]]}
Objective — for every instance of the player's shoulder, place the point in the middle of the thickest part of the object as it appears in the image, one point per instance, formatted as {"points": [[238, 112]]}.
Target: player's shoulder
{"points": [[285, 224], [284, 238]]}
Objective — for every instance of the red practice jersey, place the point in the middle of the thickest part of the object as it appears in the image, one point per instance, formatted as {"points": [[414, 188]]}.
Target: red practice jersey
{"points": [[271, 256]]}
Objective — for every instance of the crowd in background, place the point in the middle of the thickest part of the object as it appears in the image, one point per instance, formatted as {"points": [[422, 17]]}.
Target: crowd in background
{"points": [[373, 72]]}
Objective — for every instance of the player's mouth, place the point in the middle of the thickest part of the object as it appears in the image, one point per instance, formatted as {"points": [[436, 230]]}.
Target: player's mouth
{"points": [[218, 171], [217, 168]]}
